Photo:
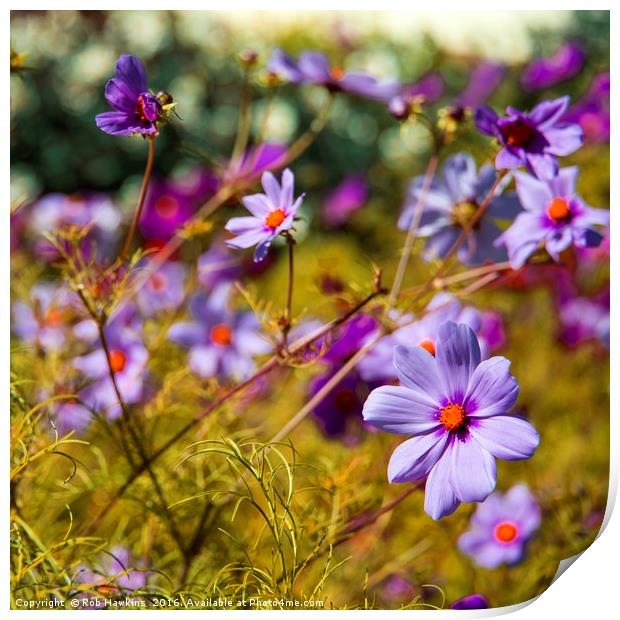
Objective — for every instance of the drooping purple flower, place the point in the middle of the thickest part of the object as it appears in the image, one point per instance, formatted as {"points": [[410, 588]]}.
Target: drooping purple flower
{"points": [[137, 108], [457, 409], [532, 139], [164, 289], [501, 528], [472, 601], [127, 357], [221, 342], [427, 89], [171, 203], [585, 318], [344, 200], [449, 205], [483, 81], [377, 364], [314, 68], [541, 73], [253, 162], [44, 321], [555, 217], [592, 112], [272, 213], [95, 212]]}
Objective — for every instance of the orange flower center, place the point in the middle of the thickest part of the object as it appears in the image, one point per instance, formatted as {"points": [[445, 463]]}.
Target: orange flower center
{"points": [[275, 218], [158, 282], [428, 345], [506, 531], [518, 133], [337, 73], [558, 209], [166, 206], [452, 417], [140, 109], [53, 317], [117, 360], [221, 334]]}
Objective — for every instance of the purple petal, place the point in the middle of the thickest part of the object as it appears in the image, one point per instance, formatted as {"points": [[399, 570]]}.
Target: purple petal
{"points": [[558, 242], [258, 205], [492, 389], [506, 159], [547, 113], [203, 360], [473, 470], [314, 67], [522, 238], [120, 96], [461, 177], [565, 183], [187, 334], [272, 189], [458, 355], [262, 249], [533, 193], [542, 165], [414, 458], [511, 438], [486, 120], [395, 409], [439, 498], [131, 71], [564, 140], [417, 370]]}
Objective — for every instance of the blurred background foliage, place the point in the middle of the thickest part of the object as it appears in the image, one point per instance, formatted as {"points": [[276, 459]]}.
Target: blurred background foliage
{"points": [[56, 147]]}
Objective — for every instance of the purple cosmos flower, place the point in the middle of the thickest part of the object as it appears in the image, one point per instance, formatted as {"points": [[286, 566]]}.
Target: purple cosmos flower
{"points": [[535, 139], [217, 264], [137, 109], [43, 322], [171, 203], [585, 318], [555, 216], [473, 601], [592, 112], [344, 200], [501, 528], [457, 409], [483, 81], [545, 72], [272, 213], [222, 343], [254, 161], [450, 204], [427, 89], [96, 212], [164, 289], [377, 363], [314, 68], [126, 355]]}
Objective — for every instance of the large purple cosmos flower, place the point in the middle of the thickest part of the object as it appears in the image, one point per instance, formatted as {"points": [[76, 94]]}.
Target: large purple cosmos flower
{"points": [[164, 289], [314, 68], [457, 409], [449, 205], [555, 216], [222, 343], [272, 213], [567, 61], [137, 109], [377, 363], [501, 528], [532, 139]]}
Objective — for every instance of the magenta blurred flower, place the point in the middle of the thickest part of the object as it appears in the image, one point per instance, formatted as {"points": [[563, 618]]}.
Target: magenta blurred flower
{"points": [[344, 200], [483, 81], [377, 363], [222, 343], [501, 528], [253, 162], [314, 68], [43, 322], [473, 601], [541, 73], [427, 89], [532, 139], [555, 216], [164, 289], [171, 203], [585, 318], [137, 109], [449, 205], [272, 213], [592, 112], [457, 409]]}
